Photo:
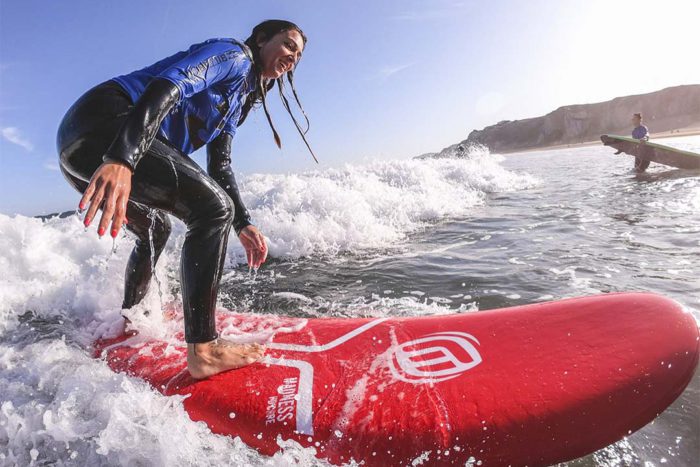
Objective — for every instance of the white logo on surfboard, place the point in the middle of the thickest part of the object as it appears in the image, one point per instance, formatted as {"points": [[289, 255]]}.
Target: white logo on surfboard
{"points": [[430, 360]]}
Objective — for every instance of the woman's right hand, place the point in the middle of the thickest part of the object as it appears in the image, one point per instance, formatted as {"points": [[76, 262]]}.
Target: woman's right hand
{"points": [[255, 247], [109, 189]]}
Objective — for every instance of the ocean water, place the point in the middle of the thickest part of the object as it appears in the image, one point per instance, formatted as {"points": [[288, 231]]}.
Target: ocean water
{"points": [[389, 238]]}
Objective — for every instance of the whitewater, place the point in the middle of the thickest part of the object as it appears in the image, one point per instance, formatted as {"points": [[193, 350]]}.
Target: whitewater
{"points": [[383, 238]]}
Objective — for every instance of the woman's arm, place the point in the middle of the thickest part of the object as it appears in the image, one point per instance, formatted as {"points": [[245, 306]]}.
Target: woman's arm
{"points": [[141, 125], [110, 185], [219, 168]]}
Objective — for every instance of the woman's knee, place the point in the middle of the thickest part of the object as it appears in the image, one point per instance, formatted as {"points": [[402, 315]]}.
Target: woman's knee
{"points": [[210, 205], [221, 210]]}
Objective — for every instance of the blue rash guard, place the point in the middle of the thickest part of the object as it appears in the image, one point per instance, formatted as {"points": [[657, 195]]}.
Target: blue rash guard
{"points": [[213, 78], [640, 132]]}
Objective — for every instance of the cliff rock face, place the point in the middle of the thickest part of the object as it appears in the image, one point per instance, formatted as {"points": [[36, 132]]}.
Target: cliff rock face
{"points": [[669, 109]]}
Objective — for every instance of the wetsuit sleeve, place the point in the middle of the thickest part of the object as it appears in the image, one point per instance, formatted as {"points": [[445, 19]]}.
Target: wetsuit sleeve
{"points": [[231, 124], [141, 125], [209, 64], [219, 168]]}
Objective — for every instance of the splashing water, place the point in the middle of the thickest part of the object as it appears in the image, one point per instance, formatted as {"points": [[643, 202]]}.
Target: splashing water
{"points": [[152, 216]]}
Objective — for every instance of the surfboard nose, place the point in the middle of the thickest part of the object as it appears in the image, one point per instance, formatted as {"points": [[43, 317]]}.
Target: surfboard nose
{"points": [[669, 358], [646, 370], [635, 356]]}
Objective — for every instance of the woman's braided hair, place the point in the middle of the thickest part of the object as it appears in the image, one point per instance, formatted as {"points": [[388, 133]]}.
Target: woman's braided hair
{"points": [[268, 29]]}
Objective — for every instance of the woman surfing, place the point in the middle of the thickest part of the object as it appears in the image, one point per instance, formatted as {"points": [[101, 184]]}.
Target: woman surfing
{"points": [[125, 146]]}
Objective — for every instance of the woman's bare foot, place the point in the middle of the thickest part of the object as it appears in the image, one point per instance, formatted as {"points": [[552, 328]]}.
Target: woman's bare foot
{"points": [[210, 358]]}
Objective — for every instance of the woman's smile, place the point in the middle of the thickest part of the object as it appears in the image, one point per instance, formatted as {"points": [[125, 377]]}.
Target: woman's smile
{"points": [[280, 53]]}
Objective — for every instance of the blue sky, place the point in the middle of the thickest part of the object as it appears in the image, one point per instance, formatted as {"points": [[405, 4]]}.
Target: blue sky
{"points": [[379, 79]]}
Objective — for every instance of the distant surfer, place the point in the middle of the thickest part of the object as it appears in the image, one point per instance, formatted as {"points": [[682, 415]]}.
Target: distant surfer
{"points": [[641, 133], [125, 144]]}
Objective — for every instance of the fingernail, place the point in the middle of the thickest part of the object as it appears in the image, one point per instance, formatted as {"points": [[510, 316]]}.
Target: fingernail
{"points": [[114, 233], [86, 222], [81, 206], [101, 231]]}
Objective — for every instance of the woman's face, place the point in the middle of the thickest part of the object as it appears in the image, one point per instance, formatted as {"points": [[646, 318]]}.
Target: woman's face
{"points": [[280, 53]]}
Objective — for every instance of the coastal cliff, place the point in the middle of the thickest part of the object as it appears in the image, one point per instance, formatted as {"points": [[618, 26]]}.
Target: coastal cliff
{"points": [[669, 109]]}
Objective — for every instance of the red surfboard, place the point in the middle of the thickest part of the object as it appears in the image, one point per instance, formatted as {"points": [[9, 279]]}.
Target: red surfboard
{"points": [[529, 385]]}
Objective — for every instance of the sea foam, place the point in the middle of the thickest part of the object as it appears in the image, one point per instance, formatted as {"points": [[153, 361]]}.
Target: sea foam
{"points": [[371, 206], [56, 268]]}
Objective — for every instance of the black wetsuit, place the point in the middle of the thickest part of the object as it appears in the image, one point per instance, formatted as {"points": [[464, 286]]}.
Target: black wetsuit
{"points": [[106, 124], [641, 133]]}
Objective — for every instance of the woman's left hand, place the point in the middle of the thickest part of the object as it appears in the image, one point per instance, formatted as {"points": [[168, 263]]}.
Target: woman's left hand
{"points": [[255, 247]]}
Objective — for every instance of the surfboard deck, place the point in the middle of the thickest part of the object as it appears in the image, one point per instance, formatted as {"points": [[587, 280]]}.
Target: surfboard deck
{"points": [[529, 385], [653, 152]]}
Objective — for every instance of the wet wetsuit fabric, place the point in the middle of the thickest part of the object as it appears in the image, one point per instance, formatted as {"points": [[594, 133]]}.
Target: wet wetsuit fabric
{"points": [[640, 132], [105, 123], [219, 168]]}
